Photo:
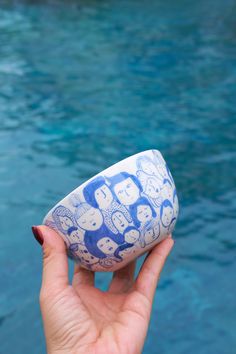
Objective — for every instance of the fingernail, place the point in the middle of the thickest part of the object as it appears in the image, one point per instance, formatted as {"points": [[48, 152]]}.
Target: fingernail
{"points": [[37, 234]]}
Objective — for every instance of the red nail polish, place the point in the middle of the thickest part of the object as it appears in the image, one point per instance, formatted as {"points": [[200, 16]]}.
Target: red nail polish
{"points": [[37, 234]]}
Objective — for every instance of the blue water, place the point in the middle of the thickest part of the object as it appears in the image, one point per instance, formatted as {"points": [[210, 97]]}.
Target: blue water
{"points": [[86, 83]]}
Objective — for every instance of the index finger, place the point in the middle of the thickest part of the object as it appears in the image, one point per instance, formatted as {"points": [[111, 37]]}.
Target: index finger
{"points": [[150, 271]]}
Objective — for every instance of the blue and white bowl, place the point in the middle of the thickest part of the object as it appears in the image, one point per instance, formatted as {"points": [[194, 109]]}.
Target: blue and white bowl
{"points": [[119, 214]]}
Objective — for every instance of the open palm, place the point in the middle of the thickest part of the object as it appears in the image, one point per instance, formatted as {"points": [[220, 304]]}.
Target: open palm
{"points": [[80, 318]]}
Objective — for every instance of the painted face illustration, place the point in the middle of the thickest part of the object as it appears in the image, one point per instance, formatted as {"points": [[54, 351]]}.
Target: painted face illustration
{"points": [[85, 256], [149, 167], [149, 236], [91, 220], [107, 245], [167, 216], [123, 253], [66, 222], [131, 236], [119, 221], [103, 197], [76, 236], [152, 188], [144, 213], [157, 230], [126, 191]]}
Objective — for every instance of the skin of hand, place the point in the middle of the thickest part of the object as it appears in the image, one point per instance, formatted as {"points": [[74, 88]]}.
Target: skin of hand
{"points": [[79, 318]]}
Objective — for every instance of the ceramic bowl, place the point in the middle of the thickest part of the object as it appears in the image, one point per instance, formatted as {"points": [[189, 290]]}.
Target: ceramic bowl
{"points": [[119, 214]]}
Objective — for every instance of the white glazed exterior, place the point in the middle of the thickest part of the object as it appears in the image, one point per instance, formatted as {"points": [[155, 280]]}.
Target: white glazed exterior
{"points": [[118, 214]]}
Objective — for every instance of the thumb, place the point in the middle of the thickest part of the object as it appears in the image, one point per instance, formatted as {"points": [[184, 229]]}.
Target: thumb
{"points": [[55, 262]]}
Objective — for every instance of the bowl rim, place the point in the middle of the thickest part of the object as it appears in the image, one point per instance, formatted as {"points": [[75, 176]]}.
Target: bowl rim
{"points": [[126, 159]]}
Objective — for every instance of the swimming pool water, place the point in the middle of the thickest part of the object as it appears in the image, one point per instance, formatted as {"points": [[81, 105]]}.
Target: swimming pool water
{"points": [[86, 83]]}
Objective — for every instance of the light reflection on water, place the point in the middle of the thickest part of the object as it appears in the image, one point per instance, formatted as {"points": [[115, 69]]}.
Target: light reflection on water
{"points": [[86, 84]]}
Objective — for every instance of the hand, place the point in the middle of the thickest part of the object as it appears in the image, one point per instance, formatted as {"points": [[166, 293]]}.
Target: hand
{"points": [[80, 318]]}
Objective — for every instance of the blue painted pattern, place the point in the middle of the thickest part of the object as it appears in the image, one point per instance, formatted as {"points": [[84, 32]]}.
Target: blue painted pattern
{"points": [[118, 214]]}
